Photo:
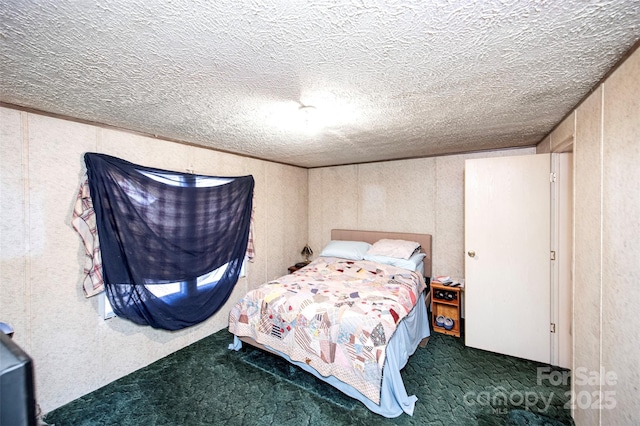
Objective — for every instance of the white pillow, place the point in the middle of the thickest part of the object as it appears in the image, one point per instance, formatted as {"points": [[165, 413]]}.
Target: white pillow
{"points": [[400, 249], [411, 263], [353, 250]]}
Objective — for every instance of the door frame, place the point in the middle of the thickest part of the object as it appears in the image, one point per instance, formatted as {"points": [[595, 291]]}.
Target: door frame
{"points": [[562, 266]]}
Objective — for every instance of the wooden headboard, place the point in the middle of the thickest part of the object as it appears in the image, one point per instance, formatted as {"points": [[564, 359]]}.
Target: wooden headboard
{"points": [[373, 236]]}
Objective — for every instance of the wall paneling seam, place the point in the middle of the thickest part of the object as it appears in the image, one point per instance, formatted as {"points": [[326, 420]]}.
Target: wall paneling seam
{"points": [[601, 171], [27, 223], [358, 201]]}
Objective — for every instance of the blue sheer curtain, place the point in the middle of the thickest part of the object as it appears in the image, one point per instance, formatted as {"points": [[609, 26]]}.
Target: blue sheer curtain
{"points": [[172, 243]]}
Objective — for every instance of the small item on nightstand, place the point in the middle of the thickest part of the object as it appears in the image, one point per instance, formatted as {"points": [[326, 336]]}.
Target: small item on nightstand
{"points": [[444, 280], [307, 253]]}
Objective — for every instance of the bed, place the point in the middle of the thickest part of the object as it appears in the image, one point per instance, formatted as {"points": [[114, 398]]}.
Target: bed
{"points": [[351, 322]]}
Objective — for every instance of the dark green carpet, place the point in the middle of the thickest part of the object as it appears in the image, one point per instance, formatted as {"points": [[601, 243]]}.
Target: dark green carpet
{"points": [[207, 384]]}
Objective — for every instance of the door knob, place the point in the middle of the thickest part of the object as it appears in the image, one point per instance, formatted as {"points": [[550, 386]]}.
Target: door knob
{"points": [[471, 253]]}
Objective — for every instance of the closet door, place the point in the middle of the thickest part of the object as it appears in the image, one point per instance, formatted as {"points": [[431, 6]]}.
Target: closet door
{"points": [[507, 266]]}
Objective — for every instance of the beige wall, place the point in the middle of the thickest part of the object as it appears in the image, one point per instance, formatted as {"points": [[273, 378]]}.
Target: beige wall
{"points": [[422, 195], [41, 256], [607, 246]]}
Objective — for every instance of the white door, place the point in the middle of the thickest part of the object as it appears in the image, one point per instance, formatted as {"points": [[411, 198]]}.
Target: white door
{"points": [[507, 266]]}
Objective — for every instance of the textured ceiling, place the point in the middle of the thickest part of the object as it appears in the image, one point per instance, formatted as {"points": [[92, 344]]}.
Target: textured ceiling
{"points": [[387, 79]]}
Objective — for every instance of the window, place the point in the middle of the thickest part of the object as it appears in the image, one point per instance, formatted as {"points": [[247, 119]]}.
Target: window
{"points": [[182, 288], [168, 290]]}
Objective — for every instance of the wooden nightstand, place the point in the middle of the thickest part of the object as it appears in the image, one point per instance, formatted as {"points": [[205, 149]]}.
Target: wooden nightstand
{"points": [[297, 266], [449, 307]]}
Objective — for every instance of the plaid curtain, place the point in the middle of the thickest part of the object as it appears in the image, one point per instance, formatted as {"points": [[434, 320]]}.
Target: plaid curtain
{"points": [[159, 227]]}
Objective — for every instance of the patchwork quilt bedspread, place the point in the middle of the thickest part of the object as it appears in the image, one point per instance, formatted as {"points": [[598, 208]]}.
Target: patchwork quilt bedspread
{"points": [[335, 315]]}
